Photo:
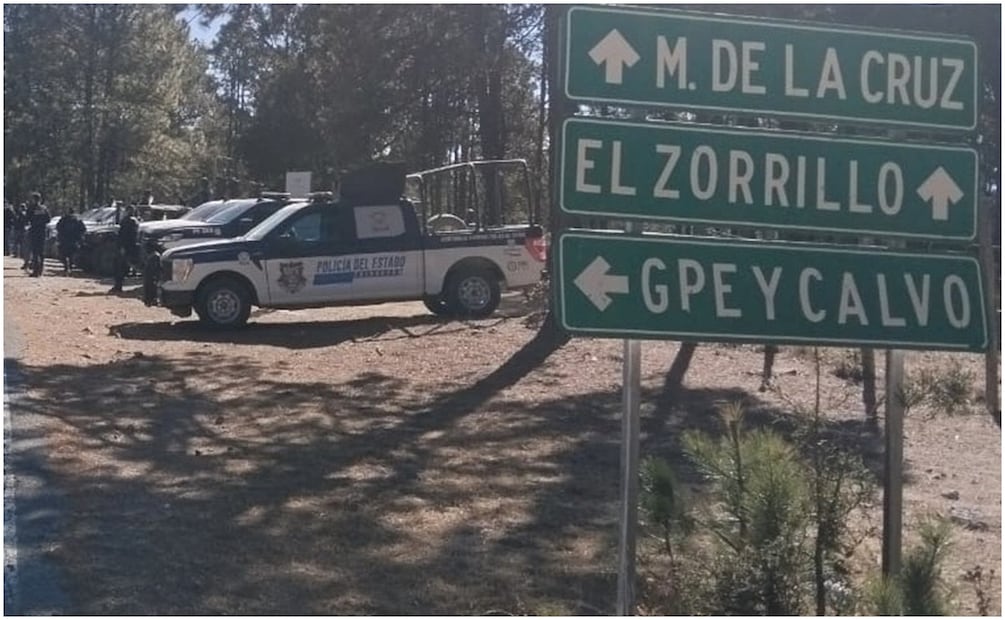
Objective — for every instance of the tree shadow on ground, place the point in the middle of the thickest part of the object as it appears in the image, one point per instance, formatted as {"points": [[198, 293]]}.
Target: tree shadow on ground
{"points": [[244, 493], [302, 334]]}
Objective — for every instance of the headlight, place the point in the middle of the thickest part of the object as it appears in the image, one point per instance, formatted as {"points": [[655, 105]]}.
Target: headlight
{"points": [[172, 237], [181, 269]]}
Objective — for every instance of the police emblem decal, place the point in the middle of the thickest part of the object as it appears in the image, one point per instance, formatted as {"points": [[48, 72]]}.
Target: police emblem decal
{"points": [[291, 276], [243, 258]]}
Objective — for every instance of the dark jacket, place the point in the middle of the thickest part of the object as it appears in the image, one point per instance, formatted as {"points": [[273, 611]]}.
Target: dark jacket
{"points": [[70, 230], [129, 229], [37, 220]]}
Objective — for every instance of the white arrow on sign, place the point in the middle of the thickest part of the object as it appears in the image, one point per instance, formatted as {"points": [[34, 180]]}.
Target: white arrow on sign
{"points": [[941, 189], [596, 283], [617, 53]]}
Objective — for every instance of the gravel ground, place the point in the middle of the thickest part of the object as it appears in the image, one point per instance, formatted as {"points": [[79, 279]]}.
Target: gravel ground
{"points": [[378, 460]]}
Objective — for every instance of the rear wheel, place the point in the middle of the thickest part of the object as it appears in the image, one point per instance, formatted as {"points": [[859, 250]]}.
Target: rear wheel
{"points": [[473, 293], [223, 303]]}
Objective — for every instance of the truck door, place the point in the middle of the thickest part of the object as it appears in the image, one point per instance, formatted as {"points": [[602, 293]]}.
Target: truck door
{"points": [[387, 255], [306, 260]]}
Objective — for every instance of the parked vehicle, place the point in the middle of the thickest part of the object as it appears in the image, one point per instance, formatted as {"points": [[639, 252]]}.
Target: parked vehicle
{"points": [[98, 249], [92, 218], [368, 245], [221, 219]]}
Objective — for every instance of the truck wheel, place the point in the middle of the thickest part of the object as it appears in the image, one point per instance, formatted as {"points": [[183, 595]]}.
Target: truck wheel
{"points": [[437, 305], [103, 259], [473, 293], [223, 303]]}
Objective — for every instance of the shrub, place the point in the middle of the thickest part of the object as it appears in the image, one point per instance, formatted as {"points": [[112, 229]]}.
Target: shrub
{"points": [[948, 391]]}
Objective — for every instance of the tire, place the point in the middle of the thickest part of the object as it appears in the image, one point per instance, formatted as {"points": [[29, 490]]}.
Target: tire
{"points": [[437, 305], [473, 293], [103, 259], [223, 303]]}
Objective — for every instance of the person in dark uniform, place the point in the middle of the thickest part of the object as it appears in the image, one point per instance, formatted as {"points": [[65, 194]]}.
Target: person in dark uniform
{"points": [[129, 253], [21, 234], [8, 229], [203, 194], [69, 233], [36, 233]]}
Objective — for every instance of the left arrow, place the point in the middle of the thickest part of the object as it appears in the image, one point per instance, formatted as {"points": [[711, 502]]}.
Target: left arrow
{"points": [[617, 53], [597, 284]]}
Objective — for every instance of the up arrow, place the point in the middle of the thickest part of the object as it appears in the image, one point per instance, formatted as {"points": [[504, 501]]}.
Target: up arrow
{"points": [[617, 53], [941, 190], [596, 284]]}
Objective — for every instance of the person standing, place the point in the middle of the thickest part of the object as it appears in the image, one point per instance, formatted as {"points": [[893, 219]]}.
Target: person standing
{"points": [[128, 254], [8, 229], [21, 234], [36, 233], [69, 233]]}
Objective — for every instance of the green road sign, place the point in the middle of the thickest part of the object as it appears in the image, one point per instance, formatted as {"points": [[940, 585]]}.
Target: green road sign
{"points": [[734, 64], [687, 173], [659, 286]]}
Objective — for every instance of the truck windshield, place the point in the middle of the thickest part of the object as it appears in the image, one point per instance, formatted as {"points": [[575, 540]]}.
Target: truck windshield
{"points": [[205, 210], [259, 232], [230, 212]]}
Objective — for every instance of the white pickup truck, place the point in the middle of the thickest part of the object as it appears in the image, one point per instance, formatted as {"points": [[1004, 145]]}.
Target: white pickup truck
{"points": [[349, 251]]}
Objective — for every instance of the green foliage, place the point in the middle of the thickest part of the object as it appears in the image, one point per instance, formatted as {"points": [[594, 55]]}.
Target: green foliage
{"points": [[883, 597], [947, 390], [102, 101], [923, 590], [774, 528], [849, 366], [758, 518], [106, 101], [918, 590], [663, 500]]}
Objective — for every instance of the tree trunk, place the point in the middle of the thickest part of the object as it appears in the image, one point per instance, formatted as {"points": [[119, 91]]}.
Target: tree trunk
{"points": [[869, 384], [770, 351], [88, 180], [681, 362]]}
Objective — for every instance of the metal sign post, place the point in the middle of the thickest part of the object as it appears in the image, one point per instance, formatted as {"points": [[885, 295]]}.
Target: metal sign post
{"points": [[628, 513], [631, 391], [893, 470]]}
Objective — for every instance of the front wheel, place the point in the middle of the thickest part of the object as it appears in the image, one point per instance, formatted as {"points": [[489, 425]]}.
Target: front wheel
{"points": [[473, 293], [437, 305], [223, 303]]}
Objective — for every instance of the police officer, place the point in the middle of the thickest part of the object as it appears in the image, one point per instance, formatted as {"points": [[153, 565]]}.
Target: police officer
{"points": [[69, 233], [36, 233], [8, 228], [20, 228], [128, 254], [21, 234]]}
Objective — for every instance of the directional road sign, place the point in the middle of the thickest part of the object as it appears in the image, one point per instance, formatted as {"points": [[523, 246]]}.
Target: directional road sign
{"points": [[778, 179], [660, 286], [714, 62]]}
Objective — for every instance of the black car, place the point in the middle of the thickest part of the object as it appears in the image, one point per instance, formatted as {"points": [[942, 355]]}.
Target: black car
{"points": [[218, 219], [99, 247]]}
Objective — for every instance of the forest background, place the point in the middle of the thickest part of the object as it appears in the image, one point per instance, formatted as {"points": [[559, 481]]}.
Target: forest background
{"points": [[108, 101]]}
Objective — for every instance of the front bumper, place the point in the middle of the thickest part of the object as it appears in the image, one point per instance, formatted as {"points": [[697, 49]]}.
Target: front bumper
{"points": [[178, 302]]}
